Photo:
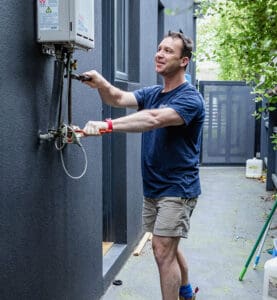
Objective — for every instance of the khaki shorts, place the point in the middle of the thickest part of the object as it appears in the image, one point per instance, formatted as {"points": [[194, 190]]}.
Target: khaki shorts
{"points": [[168, 216]]}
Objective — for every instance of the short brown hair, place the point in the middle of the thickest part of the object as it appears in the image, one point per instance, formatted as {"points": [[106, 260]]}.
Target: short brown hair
{"points": [[187, 42]]}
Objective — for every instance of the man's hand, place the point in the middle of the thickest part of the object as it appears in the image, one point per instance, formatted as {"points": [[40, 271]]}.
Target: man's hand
{"points": [[95, 128], [96, 80]]}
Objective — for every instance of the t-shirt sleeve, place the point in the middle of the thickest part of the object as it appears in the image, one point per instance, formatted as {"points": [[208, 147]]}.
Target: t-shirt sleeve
{"points": [[140, 96], [187, 107], [145, 96]]}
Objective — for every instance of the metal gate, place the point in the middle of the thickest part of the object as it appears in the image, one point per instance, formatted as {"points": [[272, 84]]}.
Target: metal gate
{"points": [[229, 129]]}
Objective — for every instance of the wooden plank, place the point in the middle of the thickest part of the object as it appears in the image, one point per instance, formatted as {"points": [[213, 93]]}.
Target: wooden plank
{"points": [[147, 237], [106, 246]]}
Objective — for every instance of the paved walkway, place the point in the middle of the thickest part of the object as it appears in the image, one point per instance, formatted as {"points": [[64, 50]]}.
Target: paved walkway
{"points": [[224, 227]]}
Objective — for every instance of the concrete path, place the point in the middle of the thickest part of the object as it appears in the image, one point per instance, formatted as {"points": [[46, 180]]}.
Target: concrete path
{"points": [[224, 228]]}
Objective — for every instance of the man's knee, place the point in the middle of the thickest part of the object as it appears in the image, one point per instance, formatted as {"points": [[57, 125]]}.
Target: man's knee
{"points": [[160, 253], [164, 249]]}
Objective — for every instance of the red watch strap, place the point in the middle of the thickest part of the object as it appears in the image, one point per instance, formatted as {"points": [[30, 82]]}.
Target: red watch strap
{"points": [[110, 125]]}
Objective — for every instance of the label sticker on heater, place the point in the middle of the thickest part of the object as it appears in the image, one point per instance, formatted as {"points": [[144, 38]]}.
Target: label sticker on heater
{"points": [[82, 25], [48, 11]]}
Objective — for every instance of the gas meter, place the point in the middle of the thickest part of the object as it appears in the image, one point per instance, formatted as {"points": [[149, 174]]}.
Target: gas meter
{"points": [[66, 22]]}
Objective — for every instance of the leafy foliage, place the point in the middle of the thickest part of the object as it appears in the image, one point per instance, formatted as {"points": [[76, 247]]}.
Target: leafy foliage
{"points": [[241, 36]]}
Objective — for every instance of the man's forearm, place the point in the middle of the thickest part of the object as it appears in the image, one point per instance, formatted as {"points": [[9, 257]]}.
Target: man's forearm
{"points": [[143, 120], [137, 122], [148, 119], [115, 97], [109, 94]]}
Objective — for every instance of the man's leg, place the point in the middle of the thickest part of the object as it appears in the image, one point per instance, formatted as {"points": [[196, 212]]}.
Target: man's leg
{"points": [[183, 267], [165, 252], [185, 286]]}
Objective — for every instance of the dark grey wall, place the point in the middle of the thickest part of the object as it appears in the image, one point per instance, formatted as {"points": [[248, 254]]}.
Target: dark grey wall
{"points": [[50, 225], [183, 19], [148, 41]]}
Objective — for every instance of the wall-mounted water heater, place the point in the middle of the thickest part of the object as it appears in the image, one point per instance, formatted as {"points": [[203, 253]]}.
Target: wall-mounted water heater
{"points": [[66, 22]]}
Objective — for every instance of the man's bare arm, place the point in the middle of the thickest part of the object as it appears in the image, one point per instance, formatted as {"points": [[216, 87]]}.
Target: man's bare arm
{"points": [[143, 120], [110, 94]]}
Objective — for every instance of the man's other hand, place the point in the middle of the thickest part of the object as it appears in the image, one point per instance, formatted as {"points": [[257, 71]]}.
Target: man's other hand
{"points": [[95, 127]]}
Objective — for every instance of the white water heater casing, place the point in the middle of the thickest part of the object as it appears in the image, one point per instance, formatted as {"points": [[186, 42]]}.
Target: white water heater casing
{"points": [[66, 22]]}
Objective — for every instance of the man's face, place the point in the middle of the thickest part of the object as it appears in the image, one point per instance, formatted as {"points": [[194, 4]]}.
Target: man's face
{"points": [[168, 57]]}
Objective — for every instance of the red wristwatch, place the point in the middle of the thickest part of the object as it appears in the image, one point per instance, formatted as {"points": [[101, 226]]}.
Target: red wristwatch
{"points": [[110, 124], [110, 127]]}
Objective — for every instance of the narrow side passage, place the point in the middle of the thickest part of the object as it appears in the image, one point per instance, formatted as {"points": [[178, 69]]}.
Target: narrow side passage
{"points": [[224, 227]]}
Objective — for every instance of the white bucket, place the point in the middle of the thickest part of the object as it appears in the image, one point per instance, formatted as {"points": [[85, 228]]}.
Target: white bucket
{"points": [[270, 279], [254, 168]]}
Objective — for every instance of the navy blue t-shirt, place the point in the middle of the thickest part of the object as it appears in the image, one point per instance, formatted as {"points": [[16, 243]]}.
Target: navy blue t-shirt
{"points": [[170, 155]]}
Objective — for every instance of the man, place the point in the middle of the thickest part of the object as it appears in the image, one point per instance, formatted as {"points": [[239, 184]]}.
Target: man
{"points": [[171, 119]]}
